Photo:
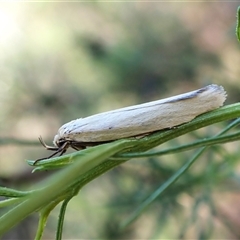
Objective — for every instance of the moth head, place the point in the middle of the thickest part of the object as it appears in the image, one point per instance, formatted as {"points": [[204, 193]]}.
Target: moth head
{"points": [[61, 142], [56, 140]]}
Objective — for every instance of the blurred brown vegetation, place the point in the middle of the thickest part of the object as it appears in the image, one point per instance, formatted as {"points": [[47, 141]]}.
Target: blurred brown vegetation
{"points": [[61, 61]]}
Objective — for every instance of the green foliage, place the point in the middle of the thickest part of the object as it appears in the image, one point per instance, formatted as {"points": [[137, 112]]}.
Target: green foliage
{"points": [[62, 61], [86, 165]]}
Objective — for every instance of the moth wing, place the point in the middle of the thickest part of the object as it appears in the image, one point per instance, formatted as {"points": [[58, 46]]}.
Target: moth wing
{"points": [[144, 118]]}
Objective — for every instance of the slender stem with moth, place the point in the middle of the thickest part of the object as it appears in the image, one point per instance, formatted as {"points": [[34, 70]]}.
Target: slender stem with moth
{"points": [[86, 167]]}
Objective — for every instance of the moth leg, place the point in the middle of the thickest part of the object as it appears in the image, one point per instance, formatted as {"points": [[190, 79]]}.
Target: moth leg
{"points": [[63, 151], [52, 148], [78, 148], [60, 150]]}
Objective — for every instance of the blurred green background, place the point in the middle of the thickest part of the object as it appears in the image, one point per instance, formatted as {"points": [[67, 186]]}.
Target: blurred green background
{"points": [[64, 60]]}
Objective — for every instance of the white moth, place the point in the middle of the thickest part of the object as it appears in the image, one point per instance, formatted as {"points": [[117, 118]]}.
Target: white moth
{"points": [[136, 120]]}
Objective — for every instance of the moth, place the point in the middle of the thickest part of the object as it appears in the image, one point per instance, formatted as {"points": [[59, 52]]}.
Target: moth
{"points": [[137, 120]]}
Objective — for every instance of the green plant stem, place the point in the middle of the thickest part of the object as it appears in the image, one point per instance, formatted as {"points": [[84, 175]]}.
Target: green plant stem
{"points": [[10, 202], [44, 213], [61, 218], [186, 147], [8, 192], [58, 184]]}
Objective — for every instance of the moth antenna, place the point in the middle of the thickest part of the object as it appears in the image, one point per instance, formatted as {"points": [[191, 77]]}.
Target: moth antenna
{"points": [[52, 148]]}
